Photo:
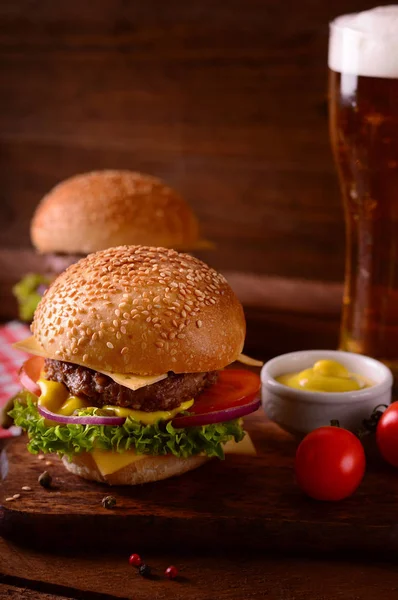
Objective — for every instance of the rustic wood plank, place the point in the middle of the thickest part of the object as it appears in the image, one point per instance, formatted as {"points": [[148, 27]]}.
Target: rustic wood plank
{"points": [[226, 102], [205, 507], [233, 576], [22, 593], [254, 228]]}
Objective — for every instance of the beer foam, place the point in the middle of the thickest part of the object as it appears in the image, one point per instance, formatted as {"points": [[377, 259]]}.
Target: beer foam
{"points": [[365, 43]]}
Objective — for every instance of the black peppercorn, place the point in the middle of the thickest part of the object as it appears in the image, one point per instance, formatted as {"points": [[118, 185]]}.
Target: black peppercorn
{"points": [[109, 502], [45, 479], [144, 570]]}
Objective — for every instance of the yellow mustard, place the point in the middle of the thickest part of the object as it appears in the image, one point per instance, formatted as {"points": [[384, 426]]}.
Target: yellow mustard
{"points": [[325, 376], [56, 398]]}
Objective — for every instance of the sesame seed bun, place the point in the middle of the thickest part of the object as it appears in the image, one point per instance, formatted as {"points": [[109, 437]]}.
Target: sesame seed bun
{"points": [[146, 470], [142, 310], [102, 209]]}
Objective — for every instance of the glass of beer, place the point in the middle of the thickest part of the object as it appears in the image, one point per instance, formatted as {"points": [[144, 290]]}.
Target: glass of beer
{"points": [[363, 106]]}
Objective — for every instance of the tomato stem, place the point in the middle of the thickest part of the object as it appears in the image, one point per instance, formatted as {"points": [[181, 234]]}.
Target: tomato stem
{"points": [[370, 425]]}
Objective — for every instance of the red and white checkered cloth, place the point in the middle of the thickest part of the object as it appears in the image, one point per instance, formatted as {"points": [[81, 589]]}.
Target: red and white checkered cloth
{"points": [[10, 362]]}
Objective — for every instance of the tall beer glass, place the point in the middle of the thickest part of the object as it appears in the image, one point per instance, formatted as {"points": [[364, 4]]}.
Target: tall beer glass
{"points": [[363, 105]]}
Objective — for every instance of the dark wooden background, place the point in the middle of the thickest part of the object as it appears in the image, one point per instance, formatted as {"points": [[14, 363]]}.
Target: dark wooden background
{"points": [[227, 101]]}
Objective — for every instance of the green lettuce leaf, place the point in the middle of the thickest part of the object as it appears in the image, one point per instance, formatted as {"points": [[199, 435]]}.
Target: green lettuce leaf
{"points": [[158, 439], [27, 296]]}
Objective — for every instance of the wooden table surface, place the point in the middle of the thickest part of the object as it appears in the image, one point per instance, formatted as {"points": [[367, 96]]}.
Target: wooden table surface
{"points": [[28, 574]]}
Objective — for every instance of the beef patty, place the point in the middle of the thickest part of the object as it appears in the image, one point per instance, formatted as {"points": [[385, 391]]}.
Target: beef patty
{"points": [[100, 389]]}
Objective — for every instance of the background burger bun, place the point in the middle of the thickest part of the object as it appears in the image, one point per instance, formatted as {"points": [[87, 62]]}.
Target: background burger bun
{"points": [[101, 209], [135, 309], [146, 470]]}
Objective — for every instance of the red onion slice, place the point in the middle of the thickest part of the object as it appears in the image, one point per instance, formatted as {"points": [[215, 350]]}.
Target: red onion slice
{"points": [[217, 416], [86, 420]]}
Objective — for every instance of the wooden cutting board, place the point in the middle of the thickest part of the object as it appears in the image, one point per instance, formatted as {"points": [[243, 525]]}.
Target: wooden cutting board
{"points": [[243, 502]]}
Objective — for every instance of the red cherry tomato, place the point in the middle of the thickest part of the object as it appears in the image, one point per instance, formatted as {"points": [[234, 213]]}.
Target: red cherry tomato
{"points": [[330, 463], [30, 372], [232, 395], [387, 434]]}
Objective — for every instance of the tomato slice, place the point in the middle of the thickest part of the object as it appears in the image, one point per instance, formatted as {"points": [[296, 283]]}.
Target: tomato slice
{"points": [[234, 387], [232, 396], [29, 374]]}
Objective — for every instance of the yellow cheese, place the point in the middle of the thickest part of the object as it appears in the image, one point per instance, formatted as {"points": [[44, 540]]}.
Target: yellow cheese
{"points": [[129, 380], [250, 362], [109, 462], [245, 446], [148, 417], [31, 346], [134, 382]]}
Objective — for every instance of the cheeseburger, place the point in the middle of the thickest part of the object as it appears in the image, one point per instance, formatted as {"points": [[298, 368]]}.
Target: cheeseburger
{"points": [[98, 210], [128, 381]]}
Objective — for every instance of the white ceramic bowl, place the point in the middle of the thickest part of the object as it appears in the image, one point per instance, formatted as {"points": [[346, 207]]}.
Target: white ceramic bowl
{"points": [[300, 411]]}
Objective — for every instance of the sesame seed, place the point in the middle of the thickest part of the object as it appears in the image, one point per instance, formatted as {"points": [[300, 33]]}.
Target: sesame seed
{"points": [[159, 344], [16, 496], [124, 350], [110, 345], [123, 330], [26, 488], [85, 357], [199, 323], [9, 499]]}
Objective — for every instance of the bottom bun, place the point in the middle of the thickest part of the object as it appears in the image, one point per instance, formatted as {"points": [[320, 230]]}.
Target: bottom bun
{"points": [[145, 470]]}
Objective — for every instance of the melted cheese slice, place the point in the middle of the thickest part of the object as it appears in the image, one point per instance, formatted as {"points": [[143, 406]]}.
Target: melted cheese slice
{"points": [[129, 380], [109, 461], [245, 447], [250, 362]]}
